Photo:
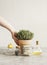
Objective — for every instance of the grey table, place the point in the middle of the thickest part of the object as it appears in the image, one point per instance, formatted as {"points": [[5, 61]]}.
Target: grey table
{"points": [[11, 59]]}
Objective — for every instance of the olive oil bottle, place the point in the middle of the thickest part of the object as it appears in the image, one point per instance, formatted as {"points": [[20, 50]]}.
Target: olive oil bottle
{"points": [[37, 50]]}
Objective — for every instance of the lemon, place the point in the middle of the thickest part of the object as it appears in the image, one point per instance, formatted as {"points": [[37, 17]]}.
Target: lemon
{"points": [[10, 45]]}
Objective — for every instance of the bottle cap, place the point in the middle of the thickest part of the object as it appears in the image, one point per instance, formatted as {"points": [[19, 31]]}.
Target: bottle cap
{"points": [[36, 42]]}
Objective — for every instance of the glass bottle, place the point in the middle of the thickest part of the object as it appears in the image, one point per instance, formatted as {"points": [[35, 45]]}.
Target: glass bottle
{"points": [[37, 50]]}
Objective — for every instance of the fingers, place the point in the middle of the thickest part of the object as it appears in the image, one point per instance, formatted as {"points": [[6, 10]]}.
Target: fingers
{"points": [[15, 34], [16, 40]]}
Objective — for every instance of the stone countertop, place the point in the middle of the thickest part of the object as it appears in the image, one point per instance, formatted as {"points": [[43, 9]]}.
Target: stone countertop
{"points": [[7, 59]]}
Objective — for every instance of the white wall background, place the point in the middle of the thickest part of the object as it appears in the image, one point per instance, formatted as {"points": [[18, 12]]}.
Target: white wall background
{"points": [[24, 14]]}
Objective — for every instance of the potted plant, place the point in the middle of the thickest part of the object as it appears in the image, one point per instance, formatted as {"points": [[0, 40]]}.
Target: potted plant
{"points": [[24, 37]]}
